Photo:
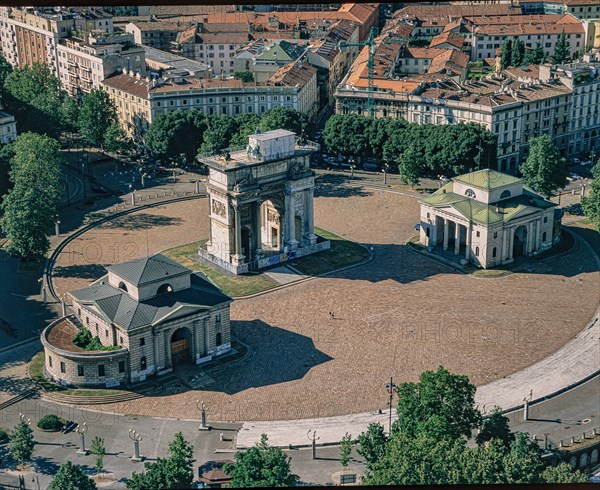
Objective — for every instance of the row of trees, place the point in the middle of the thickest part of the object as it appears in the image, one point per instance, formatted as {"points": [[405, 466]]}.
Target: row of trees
{"points": [[193, 132], [415, 150], [513, 53], [428, 443], [591, 202]]}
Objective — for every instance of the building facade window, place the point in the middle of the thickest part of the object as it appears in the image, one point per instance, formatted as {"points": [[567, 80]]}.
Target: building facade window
{"points": [[80, 371], [62, 367], [494, 252], [142, 341], [121, 366], [101, 371]]}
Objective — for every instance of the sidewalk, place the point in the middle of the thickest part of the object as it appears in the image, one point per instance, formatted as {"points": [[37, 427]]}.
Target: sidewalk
{"points": [[575, 361]]}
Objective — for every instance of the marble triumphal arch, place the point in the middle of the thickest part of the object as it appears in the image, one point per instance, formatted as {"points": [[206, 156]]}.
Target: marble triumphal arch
{"points": [[261, 203]]}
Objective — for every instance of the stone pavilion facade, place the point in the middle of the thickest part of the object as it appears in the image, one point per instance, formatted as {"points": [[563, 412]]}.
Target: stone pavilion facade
{"points": [[488, 218], [154, 313]]}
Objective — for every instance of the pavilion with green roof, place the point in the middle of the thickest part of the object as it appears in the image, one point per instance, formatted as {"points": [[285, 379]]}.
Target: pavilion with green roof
{"points": [[488, 218]]}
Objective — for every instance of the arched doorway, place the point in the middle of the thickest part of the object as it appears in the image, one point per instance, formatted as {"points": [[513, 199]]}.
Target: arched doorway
{"points": [[181, 346], [519, 242]]}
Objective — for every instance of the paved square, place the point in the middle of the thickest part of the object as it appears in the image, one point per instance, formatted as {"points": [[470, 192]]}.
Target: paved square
{"points": [[396, 316]]}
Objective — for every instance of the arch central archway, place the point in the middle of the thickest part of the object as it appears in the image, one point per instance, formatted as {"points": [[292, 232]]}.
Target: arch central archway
{"points": [[181, 346]]}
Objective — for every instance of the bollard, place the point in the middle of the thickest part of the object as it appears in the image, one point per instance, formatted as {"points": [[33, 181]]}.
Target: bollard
{"points": [[573, 440], [221, 437], [560, 444]]}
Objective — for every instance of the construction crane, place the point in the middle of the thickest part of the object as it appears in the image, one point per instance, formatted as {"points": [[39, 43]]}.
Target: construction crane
{"points": [[370, 42]]}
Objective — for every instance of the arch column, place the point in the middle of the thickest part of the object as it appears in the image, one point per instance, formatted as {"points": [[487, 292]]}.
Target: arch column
{"points": [[309, 217], [257, 228], [290, 219], [237, 230]]}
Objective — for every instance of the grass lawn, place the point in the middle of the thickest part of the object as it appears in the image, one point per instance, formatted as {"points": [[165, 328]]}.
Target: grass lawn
{"points": [[341, 254], [231, 285]]}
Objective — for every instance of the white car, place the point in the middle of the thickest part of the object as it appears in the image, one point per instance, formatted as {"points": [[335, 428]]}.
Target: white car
{"points": [[575, 160], [587, 162]]}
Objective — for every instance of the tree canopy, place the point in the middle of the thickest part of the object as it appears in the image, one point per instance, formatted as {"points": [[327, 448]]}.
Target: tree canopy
{"points": [[261, 466], [518, 52], [561, 49], [21, 442], [536, 56], [440, 405], [446, 149], [97, 115], [71, 477], [507, 51], [545, 170], [176, 471], [30, 207], [591, 202], [495, 427], [33, 95]]}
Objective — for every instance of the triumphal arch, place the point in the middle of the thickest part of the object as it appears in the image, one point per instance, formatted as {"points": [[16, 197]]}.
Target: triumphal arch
{"points": [[261, 203]]}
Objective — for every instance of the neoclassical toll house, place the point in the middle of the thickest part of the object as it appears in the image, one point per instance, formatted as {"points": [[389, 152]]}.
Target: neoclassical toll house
{"points": [[489, 218], [153, 311]]}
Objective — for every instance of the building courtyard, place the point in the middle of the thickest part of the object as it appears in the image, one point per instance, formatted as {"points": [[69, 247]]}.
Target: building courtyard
{"points": [[391, 316]]}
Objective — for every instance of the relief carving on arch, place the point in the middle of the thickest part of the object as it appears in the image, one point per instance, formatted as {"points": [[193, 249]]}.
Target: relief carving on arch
{"points": [[219, 208]]}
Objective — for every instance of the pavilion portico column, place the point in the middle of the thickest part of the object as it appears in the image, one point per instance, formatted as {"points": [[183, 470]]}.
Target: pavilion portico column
{"points": [[457, 238], [469, 239], [433, 240], [445, 234], [511, 241]]}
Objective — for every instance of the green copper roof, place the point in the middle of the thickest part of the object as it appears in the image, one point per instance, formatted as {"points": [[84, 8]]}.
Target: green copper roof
{"points": [[487, 214], [487, 179], [283, 51]]}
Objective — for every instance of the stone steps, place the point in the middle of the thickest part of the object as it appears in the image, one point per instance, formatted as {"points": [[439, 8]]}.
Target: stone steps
{"points": [[89, 399]]}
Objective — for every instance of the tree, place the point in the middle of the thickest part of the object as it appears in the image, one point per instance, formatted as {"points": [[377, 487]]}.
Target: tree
{"points": [[7, 152], [21, 442], [506, 58], [545, 170], [536, 56], [346, 446], [440, 405], [97, 114], [176, 471], [563, 473], [33, 96], [180, 463], [284, 118], [154, 478], [5, 70], [372, 444], [30, 207], [69, 111], [261, 466], [518, 52], [177, 132], [591, 202], [99, 451], [410, 165], [495, 427], [71, 477], [218, 134], [244, 76], [116, 139], [561, 49]]}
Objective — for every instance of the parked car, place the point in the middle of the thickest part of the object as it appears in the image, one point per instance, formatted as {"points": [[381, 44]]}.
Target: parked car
{"points": [[587, 162], [370, 166], [575, 160]]}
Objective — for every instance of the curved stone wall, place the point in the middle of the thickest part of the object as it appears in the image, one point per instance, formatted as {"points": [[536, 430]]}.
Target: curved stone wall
{"points": [[69, 365]]}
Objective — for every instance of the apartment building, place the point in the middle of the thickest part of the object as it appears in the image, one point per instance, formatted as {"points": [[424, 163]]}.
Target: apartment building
{"points": [[515, 104], [331, 61], [159, 61], [83, 64], [8, 128], [139, 100], [156, 34], [490, 35], [31, 35], [582, 9]]}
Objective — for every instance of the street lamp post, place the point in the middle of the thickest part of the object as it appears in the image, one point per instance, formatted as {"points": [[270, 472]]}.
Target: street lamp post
{"points": [[43, 283], [64, 304], [132, 190], [81, 430], [144, 175], [385, 170], [56, 227], [83, 179], [314, 440], [352, 167], [136, 438], [200, 405], [390, 387]]}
